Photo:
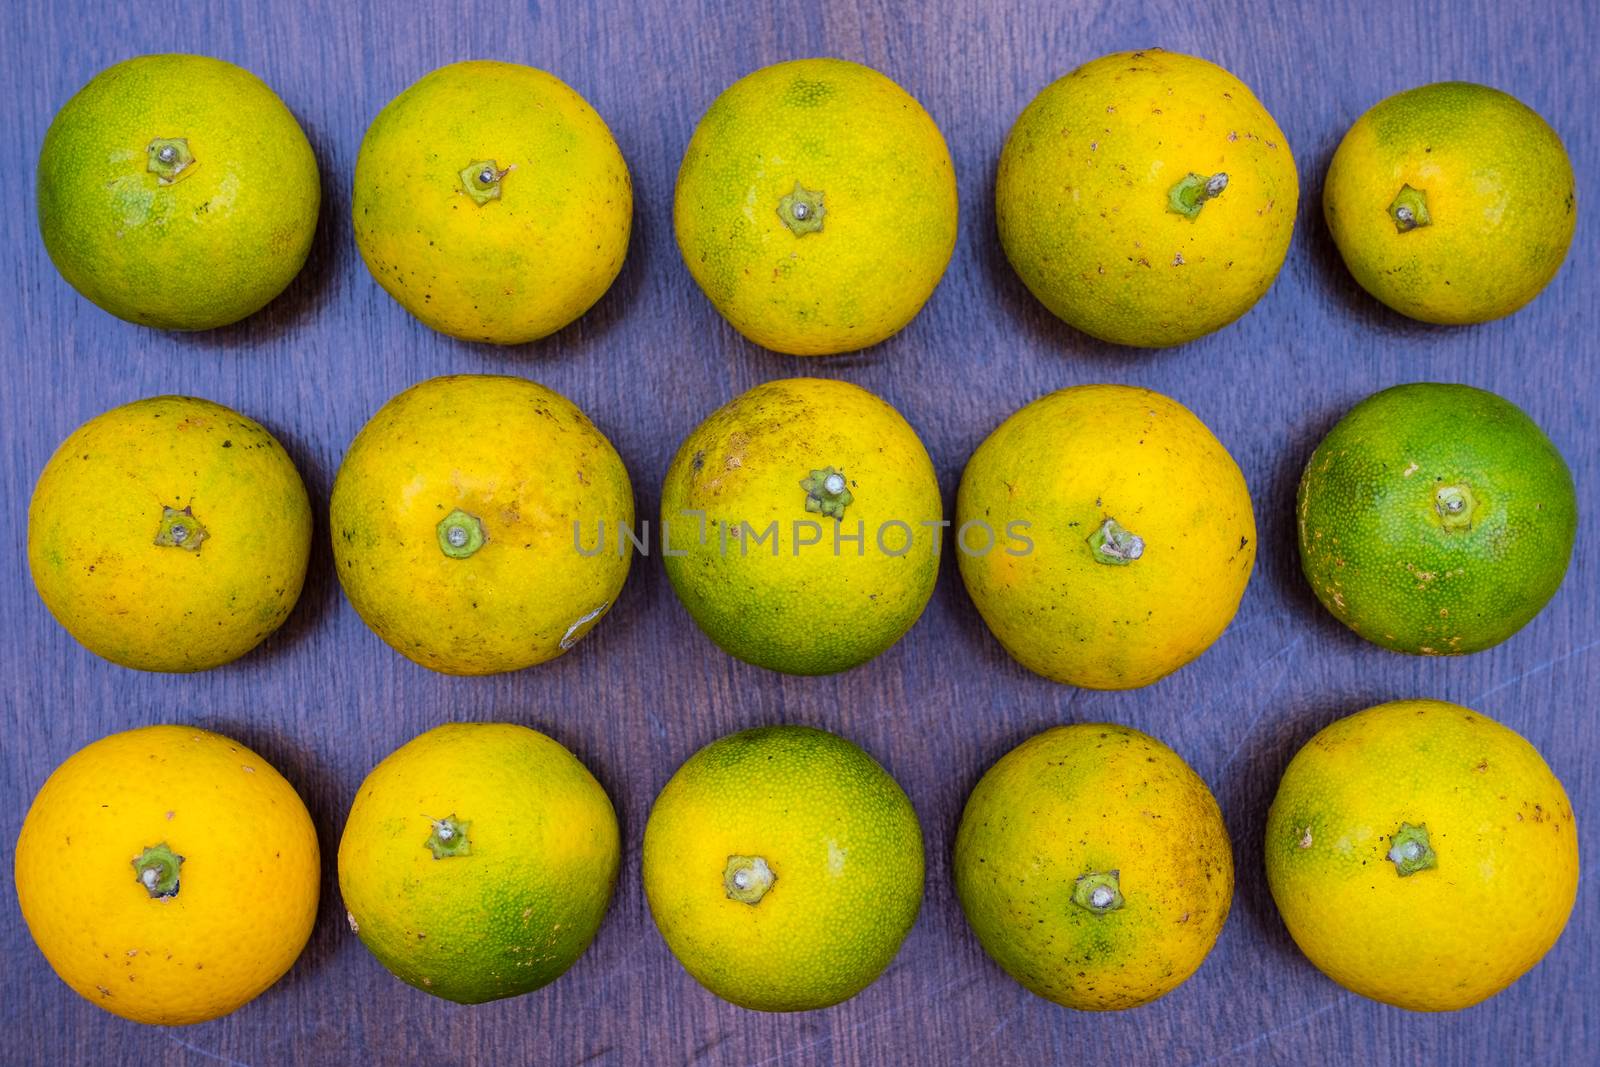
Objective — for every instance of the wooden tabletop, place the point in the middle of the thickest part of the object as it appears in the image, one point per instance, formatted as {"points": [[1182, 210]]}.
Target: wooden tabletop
{"points": [[324, 699]]}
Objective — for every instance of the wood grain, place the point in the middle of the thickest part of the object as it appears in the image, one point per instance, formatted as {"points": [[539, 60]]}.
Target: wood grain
{"points": [[325, 699]]}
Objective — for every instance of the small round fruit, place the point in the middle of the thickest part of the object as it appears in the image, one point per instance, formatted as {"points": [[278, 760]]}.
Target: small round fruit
{"points": [[168, 874], [170, 534], [492, 202], [801, 522], [177, 192], [816, 206], [478, 861], [477, 524], [1452, 203], [1122, 536], [783, 867], [1147, 198], [1094, 866], [1422, 854], [1436, 519]]}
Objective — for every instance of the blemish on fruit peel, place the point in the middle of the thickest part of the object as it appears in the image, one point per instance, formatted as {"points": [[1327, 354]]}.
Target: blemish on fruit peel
{"points": [[574, 632]]}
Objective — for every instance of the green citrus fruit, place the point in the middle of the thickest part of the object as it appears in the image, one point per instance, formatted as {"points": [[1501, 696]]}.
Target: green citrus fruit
{"points": [[800, 526], [1094, 866], [1147, 198], [1422, 854], [783, 867], [178, 192], [1451, 203], [478, 861], [492, 202], [816, 206], [1436, 519]]}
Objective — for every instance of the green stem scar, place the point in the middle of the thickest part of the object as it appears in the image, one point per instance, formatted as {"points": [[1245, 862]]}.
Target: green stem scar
{"points": [[1098, 893], [460, 534], [1409, 850], [449, 838], [481, 180], [747, 879], [802, 211], [1116, 545], [180, 529], [169, 159], [1455, 505], [157, 871], [827, 492], [1190, 194], [1409, 209]]}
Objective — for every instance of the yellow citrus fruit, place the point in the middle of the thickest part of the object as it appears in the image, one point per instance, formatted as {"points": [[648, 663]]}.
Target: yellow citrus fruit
{"points": [[783, 867], [1094, 866], [170, 534], [1422, 854], [478, 861], [1452, 203], [178, 192], [1119, 535], [816, 206], [800, 526], [477, 523], [1147, 198], [492, 202], [168, 874]]}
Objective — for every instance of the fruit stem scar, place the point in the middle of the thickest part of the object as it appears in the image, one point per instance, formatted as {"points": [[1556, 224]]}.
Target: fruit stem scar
{"points": [[449, 838], [1099, 892], [461, 534], [480, 180], [156, 869], [1114, 544], [802, 211], [1409, 209], [1454, 505], [747, 879], [1191, 192], [827, 492], [180, 529], [1410, 851], [169, 159]]}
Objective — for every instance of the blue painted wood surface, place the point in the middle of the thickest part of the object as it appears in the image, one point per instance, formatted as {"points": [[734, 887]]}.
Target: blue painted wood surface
{"points": [[325, 699]]}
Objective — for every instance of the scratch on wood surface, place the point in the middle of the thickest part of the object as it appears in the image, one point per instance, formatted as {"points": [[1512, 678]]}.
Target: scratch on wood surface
{"points": [[962, 981], [216, 1057], [1268, 1034], [1238, 745], [1535, 669]]}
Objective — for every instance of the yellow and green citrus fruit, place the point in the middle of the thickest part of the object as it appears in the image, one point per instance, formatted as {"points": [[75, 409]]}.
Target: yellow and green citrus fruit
{"points": [[178, 192], [169, 874], [1436, 519], [478, 861], [170, 534], [492, 202], [1105, 535], [1147, 198], [816, 206], [1094, 866], [783, 867], [1452, 203], [1422, 854], [477, 524], [800, 526]]}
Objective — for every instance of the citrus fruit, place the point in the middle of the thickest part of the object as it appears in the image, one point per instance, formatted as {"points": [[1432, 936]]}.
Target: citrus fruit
{"points": [[1436, 519], [800, 526], [178, 192], [783, 867], [1422, 854], [168, 874], [1146, 198], [1094, 866], [816, 206], [1105, 535], [1451, 203], [491, 201], [478, 861], [477, 524], [169, 534]]}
